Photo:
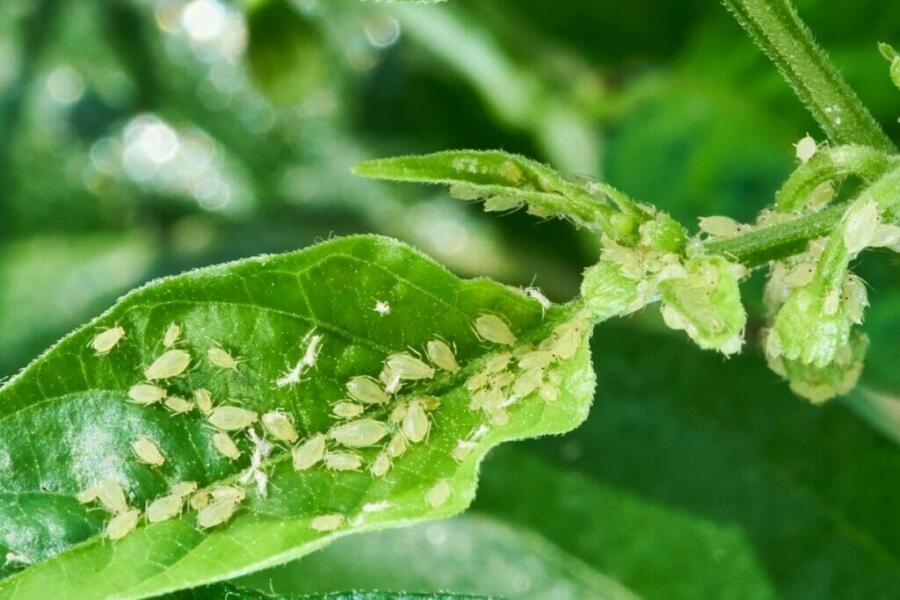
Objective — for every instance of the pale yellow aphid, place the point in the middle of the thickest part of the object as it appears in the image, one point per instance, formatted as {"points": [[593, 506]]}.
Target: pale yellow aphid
{"points": [[538, 296], [179, 405], [430, 402], [184, 488], [499, 417], [497, 363], [438, 495], [231, 418], [200, 500], [347, 410], [566, 342], [548, 392], [487, 399], [397, 414], [203, 399], [172, 363], [860, 226], [146, 394], [328, 522], [170, 337], [398, 445], [147, 452], [392, 381], [536, 359], [359, 433], [463, 449], [415, 422], [856, 298], [440, 353], [164, 508], [216, 513], [375, 507], [279, 425], [309, 453], [342, 461], [408, 367], [502, 380], [111, 496], [122, 524], [87, 495], [227, 492], [494, 329], [527, 382], [226, 446], [366, 390], [221, 358], [805, 149], [719, 226], [381, 465], [106, 340]]}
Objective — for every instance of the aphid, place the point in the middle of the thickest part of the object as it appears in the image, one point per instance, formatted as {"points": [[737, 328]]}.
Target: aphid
{"points": [[805, 149], [498, 362], [106, 340], [831, 303], [164, 508], [374, 507], [122, 524], [502, 380], [366, 390], [200, 500], [171, 364], [227, 492], [226, 446], [499, 417], [147, 452], [342, 461], [87, 495], [430, 402], [146, 394], [216, 513], [494, 329], [222, 359], [170, 337], [382, 308], [391, 380], [398, 445], [381, 465], [856, 298], [860, 226], [487, 399], [720, 226], [309, 453], [538, 296], [501, 203], [566, 342], [463, 449], [398, 413], [231, 418], [184, 488], [441, 355], [328, 522], [527, 382], [477, 381], [359, 433], [548, 392], [536, 359], [203, 399], [347, 410], [408, 367], [111, 496], [308, 360], [178, 405], [439, 494], [279, 426], [415, 422]]}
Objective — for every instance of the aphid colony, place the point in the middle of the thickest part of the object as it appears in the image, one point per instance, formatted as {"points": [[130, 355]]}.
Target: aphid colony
{"points": [[504, 379]]}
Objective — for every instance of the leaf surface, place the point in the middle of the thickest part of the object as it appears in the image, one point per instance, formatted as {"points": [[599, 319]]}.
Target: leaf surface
{"points": [[66, 423]]}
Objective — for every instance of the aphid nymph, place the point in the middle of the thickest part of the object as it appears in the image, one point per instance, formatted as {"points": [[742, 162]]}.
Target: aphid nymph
{"points": [[171, 364], [170, 337], [107, 339], [280, 426], [366, 390], [221, 358], [359, 433], [309, 453], [440, 353], [231, 418], [494, 329], [147, 452], [122, 524], [146, 394]]}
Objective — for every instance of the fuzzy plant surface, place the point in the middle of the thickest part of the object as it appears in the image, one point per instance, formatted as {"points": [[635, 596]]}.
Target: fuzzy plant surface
{"points": [[234, 418]]}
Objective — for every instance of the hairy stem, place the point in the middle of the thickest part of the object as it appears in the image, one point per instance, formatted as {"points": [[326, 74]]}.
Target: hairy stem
{"points": [[776, 28]]}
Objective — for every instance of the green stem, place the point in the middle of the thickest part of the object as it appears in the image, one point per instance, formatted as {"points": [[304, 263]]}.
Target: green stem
{"points": [[776, 28]]}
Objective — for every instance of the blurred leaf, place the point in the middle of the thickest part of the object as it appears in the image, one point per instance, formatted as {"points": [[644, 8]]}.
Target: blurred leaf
{"points": [[67, 423], [450, 555], [231, 592]]}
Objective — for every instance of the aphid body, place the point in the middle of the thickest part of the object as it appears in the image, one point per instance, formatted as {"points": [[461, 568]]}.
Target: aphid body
{"points": [[184, 488], [171, 364], [463, 449], [170, 337], [164, 508], [415, 422], [347, 410], [309, 453], [221, 358], [359, 433], [203, 400], [381, 465], [366, 390], [538, 296], [408, 367], [227, 492], [226, 446], [122, 524], [231, 418], [178, 405], [216, 512], [200, 500], [438, 495], [805, 149], [146, 394], [342, 461], [440, 353], [111, 496], [328, 522], [536, 359], [106, 340], [527, 382], [494, 329], [279, 426], [147, 452]]}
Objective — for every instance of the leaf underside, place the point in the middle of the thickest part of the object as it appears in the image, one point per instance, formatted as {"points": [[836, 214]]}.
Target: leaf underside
{"points": [[65, 421]]}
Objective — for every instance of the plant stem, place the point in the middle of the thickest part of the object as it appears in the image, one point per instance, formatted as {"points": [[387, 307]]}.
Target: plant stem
{"points": [[776, 28]]}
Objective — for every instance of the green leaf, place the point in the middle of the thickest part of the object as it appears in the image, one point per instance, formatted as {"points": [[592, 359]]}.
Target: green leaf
{"points": [[66, 422], [232, 592], [449, 555]]}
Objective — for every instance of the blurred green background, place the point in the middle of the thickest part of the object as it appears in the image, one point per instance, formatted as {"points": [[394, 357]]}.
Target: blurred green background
{"points": [[141, 138]]}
